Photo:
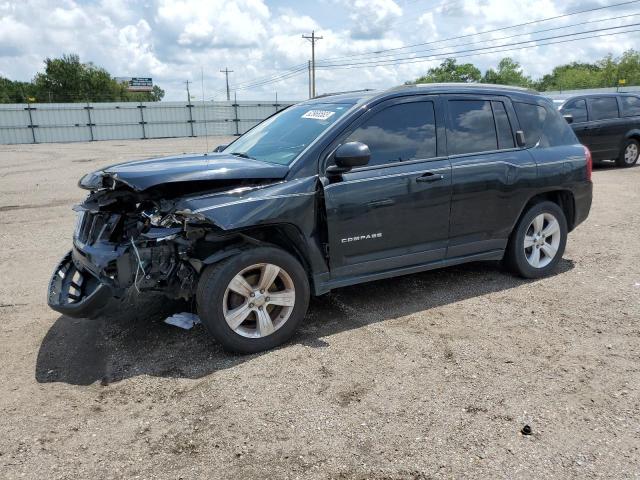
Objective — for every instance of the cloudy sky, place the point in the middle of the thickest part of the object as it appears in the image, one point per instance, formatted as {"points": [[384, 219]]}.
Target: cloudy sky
{"points": [[174, 40]]}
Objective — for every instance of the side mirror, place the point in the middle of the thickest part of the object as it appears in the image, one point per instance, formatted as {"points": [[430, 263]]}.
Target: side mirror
{"points": [[569, 118], [220, 148], [520, 140], [348, 156]]}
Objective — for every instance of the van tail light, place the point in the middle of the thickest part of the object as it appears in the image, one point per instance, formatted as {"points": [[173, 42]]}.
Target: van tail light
{"points": [[587, 154]]}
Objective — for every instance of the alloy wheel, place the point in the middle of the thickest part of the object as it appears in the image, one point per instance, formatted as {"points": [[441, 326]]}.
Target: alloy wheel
{"points": [[541, 240], [631, 153], [259, 300]]}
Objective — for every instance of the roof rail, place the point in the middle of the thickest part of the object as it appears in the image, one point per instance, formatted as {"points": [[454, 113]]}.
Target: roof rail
{"points": [[342, 93], [466, 85]]}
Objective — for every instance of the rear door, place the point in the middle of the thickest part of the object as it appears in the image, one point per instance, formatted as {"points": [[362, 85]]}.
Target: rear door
{"points": [[395, 211], [606, 128], [491, 176], [577, 108]]}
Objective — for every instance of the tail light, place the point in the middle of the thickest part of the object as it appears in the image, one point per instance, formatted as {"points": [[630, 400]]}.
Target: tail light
{"points": [[587, 154]]}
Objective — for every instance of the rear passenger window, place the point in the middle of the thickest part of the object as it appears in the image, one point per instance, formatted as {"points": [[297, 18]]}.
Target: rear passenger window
{"points": [[531, 118], [543, 126], [471, 127], [630, 106], [577, 109], [406, 131], [603, 108], [505, 135]]}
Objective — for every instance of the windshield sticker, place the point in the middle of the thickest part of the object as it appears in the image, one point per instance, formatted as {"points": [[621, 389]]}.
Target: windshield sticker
{"points": [[318, 114]]}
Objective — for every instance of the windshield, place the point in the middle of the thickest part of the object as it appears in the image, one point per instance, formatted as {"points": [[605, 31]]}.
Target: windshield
{"points": [[282, 137]]}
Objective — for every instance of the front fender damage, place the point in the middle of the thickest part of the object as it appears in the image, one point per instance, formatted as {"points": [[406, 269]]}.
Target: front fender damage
{"points": [[127, 239]]}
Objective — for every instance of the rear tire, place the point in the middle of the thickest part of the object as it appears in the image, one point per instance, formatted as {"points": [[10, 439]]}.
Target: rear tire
{"points": [[629, 154], [253, 301], [538, 241]]}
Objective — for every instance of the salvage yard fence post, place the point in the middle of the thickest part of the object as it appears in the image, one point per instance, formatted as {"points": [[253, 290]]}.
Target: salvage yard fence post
{"points": [[142, 122], [31, 125], [235, 110], [90, 124]]}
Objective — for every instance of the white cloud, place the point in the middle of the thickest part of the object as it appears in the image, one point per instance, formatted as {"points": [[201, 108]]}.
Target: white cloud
{"points": [[371, 18], [172, 40]]}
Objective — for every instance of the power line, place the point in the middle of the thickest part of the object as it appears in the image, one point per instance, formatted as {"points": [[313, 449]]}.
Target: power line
{"points": [[426, 57], [460, 54], [271, 79], [458, 37], [298, 69], [564, 27], [243, 85], [510, 47]]}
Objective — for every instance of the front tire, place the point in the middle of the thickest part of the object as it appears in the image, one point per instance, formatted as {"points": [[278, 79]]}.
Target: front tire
{"points": [[538, 241], [253, 301], [629, 154]]}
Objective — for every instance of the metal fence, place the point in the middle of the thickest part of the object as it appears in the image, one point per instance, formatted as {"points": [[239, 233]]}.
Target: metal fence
{"points": [[586, 91], [83, 122]]}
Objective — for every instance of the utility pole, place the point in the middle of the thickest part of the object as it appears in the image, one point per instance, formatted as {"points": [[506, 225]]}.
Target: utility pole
{"points": [[226, 71], [188, 93], [313, 39], [309, 67]]}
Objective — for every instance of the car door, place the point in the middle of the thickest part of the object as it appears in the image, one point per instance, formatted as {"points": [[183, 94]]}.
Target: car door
{"points": [[606, 128], [577, 108], [394, 212], [492, 177]]}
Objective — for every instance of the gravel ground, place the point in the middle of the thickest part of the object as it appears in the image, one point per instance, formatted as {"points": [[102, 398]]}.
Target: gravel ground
{"points": [[426, 376]]}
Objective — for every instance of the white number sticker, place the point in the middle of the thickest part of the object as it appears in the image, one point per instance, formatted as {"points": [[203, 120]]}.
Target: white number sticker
{"points": [[318, 114]]}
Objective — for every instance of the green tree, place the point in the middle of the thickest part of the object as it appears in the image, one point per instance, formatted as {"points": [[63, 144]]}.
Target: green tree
{"points": [[450, 71], [509, 72], [16, 92], [629, 67], [67, 79]]}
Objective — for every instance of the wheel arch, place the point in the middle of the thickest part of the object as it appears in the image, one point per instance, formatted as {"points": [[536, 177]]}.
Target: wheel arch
{"points": [[561, 197], [285, 236], [632, 134]]}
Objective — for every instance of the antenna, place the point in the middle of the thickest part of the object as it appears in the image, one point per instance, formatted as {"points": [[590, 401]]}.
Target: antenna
{"points": [[204, 110]]}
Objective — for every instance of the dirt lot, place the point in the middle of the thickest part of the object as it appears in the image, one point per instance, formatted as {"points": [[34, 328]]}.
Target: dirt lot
{"points": [[430, 375]]}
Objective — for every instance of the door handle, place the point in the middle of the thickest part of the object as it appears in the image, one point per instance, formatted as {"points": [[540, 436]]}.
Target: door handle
{"points": [[430, 177], [381, 203]]}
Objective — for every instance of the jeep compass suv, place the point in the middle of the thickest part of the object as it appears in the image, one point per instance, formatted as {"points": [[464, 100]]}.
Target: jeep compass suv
{"points": [[331, 192]]}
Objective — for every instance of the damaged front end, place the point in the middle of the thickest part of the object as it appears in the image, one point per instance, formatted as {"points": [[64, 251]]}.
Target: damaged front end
{"points": [[124, 239], [154, 225]]}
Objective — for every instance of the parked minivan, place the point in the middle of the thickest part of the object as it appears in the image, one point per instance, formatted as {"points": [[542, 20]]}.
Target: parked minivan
{"points": [[607, 123], [331, 192]]}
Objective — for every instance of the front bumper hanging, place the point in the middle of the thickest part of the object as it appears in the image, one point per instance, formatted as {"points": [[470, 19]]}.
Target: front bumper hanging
{"points": [[75, 292]]}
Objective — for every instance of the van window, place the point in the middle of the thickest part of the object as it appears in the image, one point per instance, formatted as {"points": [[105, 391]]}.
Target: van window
{"points": [[603, 108], [577, 109], [543, 126], [471, 127], [505, 135], [630, 106], [406, 131]]}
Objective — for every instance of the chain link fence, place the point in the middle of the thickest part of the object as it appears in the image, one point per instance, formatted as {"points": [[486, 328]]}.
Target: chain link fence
{"points": [[84, 122]]}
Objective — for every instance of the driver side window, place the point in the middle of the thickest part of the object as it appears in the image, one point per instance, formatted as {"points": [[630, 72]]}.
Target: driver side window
{"points": [[398, 133], [577, 109]]}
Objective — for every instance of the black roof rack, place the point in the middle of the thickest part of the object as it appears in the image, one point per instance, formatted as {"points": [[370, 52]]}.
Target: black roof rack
{"points": [[343, 93], [465, 85]]}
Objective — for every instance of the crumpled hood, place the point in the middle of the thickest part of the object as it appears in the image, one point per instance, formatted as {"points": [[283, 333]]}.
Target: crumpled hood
{"points": [[143, 174]]}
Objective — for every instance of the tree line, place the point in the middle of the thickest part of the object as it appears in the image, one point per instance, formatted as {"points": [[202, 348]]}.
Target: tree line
{"points": [[609, 71], [67, 79]]}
